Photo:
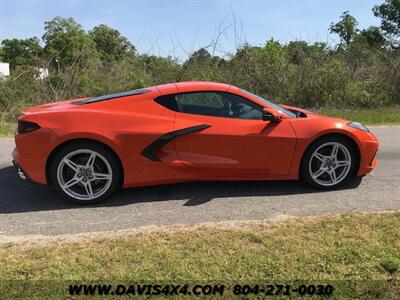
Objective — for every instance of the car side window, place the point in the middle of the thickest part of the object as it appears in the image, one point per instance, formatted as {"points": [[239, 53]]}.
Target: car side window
{"points": [[215, 104], [219, 104], [201, 103], [168, 101], [242, 108], [201, 99]]}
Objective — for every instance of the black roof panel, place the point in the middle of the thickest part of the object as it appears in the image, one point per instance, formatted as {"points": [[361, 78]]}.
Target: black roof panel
{"points": [[112, 96]]}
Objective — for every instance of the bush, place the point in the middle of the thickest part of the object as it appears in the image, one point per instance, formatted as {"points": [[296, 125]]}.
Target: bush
{"points": [[299, 74]]}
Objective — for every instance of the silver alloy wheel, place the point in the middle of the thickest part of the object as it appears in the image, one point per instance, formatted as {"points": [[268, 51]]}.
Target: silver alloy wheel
{"points": [[330, 163], [84, 174]]}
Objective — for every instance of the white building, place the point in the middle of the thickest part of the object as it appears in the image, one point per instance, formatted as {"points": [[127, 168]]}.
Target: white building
{"points": [[42, 73], [4, 69]]}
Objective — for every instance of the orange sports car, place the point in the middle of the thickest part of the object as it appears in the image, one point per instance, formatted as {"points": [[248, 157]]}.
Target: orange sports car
{"points": [[87, 148]]}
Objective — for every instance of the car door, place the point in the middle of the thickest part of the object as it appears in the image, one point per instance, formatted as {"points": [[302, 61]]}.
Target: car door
{"points": [[231, 140]]}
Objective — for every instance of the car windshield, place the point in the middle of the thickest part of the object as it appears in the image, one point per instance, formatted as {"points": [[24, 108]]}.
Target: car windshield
{"points": [[276, 106]]}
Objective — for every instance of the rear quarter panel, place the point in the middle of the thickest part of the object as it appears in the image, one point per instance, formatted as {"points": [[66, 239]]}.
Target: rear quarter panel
{"points": [[126, 126]]}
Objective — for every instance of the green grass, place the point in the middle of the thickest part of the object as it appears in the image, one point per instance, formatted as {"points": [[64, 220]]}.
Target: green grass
{"points": [[378, 116], [359, 254]]}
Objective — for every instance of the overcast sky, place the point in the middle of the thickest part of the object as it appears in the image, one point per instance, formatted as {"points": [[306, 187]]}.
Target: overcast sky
{"points": [[178, 27]]}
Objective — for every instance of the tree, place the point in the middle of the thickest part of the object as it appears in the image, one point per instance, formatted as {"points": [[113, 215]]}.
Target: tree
{"points": [[199, 57], [372, 37], [66, 42], [110, 44], [346, 28], [197, 66], [21, 52], [159, 69], [389, 12], [297, 51]]}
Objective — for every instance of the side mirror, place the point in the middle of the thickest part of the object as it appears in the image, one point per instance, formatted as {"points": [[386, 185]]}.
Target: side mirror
{"points": [[270, 114]]}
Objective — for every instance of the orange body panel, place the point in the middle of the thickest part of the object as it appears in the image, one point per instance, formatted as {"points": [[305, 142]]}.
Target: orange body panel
{"points": [[229, 149]]}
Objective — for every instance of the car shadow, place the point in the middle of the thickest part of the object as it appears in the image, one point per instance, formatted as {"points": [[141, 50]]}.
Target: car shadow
{"points": [[18, 196]]}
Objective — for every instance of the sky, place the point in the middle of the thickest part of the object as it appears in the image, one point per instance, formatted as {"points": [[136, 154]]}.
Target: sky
{"points": [[177, 28]]}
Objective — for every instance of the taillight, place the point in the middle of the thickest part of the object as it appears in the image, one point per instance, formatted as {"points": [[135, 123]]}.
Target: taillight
{"points": [[26, 126]]}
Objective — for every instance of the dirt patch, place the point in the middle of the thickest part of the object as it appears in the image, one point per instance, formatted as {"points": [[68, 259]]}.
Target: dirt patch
{"points": [[29, 241]]}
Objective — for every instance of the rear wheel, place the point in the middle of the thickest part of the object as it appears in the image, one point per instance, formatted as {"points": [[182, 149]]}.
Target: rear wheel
{"points": [[329, 163], [85, 172]]}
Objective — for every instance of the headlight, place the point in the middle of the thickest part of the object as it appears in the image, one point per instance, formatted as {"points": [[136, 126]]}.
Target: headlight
{"points": [[357, 125]]}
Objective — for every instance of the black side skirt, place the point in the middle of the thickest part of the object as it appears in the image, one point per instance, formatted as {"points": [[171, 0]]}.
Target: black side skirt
{"points": [[151, 150]]}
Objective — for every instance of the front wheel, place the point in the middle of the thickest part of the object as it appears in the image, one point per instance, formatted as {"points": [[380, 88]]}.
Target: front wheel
{"points": [[86, 173], [329, 163]]}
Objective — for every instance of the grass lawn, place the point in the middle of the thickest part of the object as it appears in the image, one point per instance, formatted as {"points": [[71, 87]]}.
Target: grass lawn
{"points": [[379, 116], [7, 129], [359, 254]]}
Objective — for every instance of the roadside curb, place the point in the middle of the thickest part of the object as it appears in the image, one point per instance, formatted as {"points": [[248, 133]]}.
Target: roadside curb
{"points": [[38, 240]]}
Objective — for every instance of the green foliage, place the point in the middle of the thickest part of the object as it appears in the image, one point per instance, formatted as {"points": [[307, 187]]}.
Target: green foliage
{"points": [[110, 44], [372, 37], [21, 52], [157, 69], [389, 12], [357, 254], [201, 65], [382, 115], [390, 265], [17, 94], [346, 28], [66, 43], [362, 71]]}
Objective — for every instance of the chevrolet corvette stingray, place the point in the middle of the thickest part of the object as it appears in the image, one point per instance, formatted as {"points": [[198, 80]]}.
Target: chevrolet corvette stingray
{"points": [[188, 131]]}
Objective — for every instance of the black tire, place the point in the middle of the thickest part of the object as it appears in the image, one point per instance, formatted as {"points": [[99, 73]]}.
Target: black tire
{"points": [[109, 156], [305, 174]]}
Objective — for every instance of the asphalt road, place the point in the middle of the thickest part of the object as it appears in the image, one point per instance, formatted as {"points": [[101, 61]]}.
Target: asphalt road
{"points": [[31, 209]]}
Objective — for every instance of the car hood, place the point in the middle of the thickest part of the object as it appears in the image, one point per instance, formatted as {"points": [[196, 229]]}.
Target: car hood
{"points": [[307, 112], [313, 115]]}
